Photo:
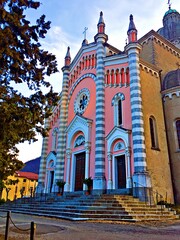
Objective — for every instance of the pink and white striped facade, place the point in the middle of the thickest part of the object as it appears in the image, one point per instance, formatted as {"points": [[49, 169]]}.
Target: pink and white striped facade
{"points": [[97, 130]]}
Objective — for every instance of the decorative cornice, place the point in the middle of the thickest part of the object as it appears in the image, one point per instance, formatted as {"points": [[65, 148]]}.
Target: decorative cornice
{"points": [[162, 42], [149, 68], [169, 94]]}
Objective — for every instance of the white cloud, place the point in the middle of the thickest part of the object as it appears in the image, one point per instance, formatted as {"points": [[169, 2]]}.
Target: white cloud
{"points": [[30, 151]]}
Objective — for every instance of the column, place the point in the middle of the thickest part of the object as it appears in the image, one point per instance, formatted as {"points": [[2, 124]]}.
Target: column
{"points": [[120, 79], [68, 169], [129, 179], [109, 156], [99, 181], [87, 149], [125, 78]]}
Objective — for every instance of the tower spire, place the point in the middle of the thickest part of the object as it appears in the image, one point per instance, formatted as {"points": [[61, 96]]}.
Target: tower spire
{"points": [[101, 24], [67, 57], [132, 31], [101, 29]]}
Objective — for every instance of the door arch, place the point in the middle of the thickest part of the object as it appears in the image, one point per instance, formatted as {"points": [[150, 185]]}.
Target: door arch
{"points": [[118, 155], [120, 172]]}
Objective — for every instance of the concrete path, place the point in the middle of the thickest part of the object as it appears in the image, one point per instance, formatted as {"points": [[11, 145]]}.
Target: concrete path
{"points": [[57, 229]]}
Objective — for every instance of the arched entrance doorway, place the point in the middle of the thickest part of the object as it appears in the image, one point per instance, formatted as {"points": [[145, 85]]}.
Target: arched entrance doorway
{"points": [[120, 171], [78, 153], [50, 170], [79, 171], [119, 161], [50, 177]]}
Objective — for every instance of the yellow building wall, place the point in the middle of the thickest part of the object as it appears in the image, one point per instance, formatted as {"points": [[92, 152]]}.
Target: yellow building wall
{"points": [[172, 112], [157, 159], [15, 193], [159, 55]]}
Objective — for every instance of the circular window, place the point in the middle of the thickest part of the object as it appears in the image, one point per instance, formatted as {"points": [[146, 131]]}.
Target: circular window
{"points": [[81, 101]]}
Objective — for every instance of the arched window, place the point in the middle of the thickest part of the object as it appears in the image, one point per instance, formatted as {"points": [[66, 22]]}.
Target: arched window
{"points": [[153, 132], [118, 108], [54, 139], [178, 132]]}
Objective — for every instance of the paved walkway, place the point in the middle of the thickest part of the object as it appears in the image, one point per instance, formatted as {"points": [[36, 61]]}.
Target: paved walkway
{"points": [[57, 229]]}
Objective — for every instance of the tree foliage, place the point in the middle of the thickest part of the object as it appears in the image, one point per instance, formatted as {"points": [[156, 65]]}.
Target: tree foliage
{"points": [[22, 62]]}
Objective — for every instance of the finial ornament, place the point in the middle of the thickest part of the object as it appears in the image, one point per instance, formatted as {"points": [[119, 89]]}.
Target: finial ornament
{"points": [[169, 3], [67, 57], [85, 30]]}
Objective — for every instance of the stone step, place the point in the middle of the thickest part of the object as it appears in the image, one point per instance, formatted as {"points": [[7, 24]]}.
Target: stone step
{"points": [[95, 203], [99, 216], [70, 214], [89, 212], [93, 207]]}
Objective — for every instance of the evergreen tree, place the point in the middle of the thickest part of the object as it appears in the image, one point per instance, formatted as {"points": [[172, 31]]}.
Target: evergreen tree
{"points": [[22, 62]]}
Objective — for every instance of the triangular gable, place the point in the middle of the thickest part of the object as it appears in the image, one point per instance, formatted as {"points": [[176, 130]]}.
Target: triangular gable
{"points": [[51, 156], [156, 35], [79, 123], [118, 133], [83, 51]]}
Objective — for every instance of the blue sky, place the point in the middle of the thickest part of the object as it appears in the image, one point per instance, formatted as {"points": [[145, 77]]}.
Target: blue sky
{"points": [[70, 17]]}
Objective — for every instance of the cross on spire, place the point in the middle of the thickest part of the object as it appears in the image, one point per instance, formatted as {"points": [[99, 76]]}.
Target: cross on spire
{"points": [[85, 30], [169, 3]]}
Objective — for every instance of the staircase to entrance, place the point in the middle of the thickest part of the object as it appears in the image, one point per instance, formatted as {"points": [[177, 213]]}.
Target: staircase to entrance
{"points": [[81, 207]]}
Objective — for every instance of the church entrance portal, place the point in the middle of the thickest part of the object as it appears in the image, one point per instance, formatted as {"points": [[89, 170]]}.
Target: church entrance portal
{"points": [[121, 172], [80, 171]]}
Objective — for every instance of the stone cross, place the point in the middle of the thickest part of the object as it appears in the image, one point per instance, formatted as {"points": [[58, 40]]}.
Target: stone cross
{"points": [[85, 30], [169, 4]]}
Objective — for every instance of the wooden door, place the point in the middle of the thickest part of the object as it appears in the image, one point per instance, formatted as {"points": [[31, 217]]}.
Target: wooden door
{"points": [[121, 172], [51, 180], [80, 171]]}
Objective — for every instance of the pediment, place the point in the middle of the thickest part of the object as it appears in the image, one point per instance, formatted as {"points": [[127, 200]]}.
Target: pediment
{"points": [[79, 124], [118, 133], [51, 156]]}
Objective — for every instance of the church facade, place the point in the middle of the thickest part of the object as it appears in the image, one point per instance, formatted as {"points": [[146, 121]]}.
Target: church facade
{"points": [[118, 118]]}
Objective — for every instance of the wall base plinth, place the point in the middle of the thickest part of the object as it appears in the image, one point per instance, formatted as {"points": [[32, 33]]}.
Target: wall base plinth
{"points": [[142, 186]]}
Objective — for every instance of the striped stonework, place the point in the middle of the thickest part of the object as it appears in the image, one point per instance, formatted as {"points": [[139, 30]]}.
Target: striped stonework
{"points": [[136, 109], [59, 171], [42, 167], [99, 180], [141, 178]]}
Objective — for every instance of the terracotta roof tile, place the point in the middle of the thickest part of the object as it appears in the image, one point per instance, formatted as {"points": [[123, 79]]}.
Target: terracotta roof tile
{"points": [[28, 175]]}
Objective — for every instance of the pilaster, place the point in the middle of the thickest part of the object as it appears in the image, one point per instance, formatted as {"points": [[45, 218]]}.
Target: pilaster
{"points": [[59, 171], [141, 177], [99, 183], [42, 169]]}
